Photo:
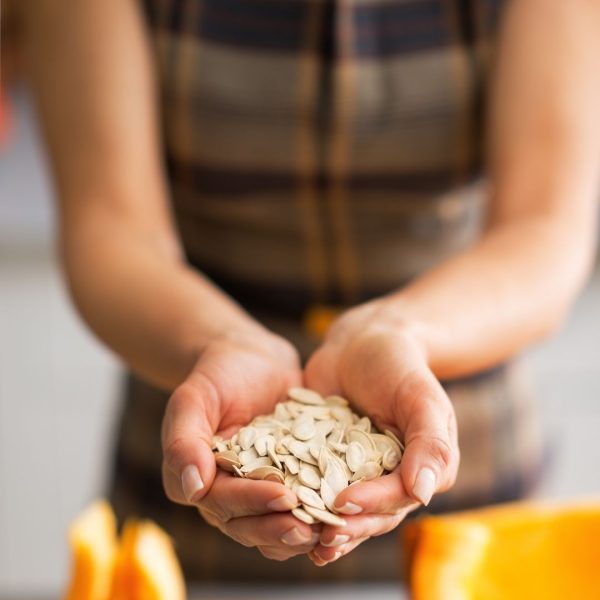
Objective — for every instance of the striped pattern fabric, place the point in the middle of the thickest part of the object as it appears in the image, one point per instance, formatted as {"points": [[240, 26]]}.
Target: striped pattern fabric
{"points": [[324, 152], [329, 146]]}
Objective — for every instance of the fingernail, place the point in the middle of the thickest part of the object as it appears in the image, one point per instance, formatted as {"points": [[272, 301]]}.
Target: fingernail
{"points": [[281, 503], [293, 537], [349, 508], [191, 482], [424, 485], [336, 556], [338, 540], [318, 557], [314, 539]]}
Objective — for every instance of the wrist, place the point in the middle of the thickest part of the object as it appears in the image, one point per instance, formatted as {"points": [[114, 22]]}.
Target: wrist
{"points": [[249, 335], [388, 315]]}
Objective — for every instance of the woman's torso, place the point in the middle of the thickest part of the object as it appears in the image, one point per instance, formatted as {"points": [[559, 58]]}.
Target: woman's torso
{"points": [[323, 152]]}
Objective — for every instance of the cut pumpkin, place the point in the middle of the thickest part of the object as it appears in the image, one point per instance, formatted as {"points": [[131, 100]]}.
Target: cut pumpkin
{"points": [[147, 567], [93, 539], [142, 566], [516, 551]]}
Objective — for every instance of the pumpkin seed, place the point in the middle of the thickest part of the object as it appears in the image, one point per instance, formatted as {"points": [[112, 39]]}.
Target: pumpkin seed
{"points": [[266, 473], [390, 460], [310, 477], [247, 456], [309, 497], [394, 437], [314, 446], [305, 396], [327, 494], [369, 470], [336, 401], [261, 461], [292, 463], [324, 516], [355, 456], [304, 429], [227, 460], [301, 514], [246, 437]]}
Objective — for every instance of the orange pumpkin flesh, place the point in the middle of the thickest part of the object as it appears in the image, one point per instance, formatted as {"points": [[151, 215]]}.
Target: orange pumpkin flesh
{"points": [[93, 539], [147, 567], [517, 551], [142, 566]]}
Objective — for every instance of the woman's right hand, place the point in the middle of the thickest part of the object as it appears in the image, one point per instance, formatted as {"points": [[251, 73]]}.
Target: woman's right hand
{"points": [[236, 378]]}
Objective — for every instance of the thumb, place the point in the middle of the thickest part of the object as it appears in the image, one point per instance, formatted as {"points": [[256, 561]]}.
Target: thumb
{"points": [[188, 462], [431, 457], [320, 372]]}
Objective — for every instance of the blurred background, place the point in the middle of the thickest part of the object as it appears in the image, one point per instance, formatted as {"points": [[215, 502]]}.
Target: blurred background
{"points": [[59, 389]]}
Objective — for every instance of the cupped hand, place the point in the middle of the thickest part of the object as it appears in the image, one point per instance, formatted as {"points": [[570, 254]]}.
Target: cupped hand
{"points": [[376, 361], [235, 379]]}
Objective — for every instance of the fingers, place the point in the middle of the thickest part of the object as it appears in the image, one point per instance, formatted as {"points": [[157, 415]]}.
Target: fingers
{"points": [[431, 457], [336, 542], [320, 372], [383, 495], [233, 497], [358, 528], [280, 554], [280, 536], [279, 530], [188, 466], [322, 556]]}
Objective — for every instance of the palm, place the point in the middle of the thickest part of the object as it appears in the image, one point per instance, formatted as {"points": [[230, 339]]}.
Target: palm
{"points": [[247, 382], [383, 371], [367, 370]]}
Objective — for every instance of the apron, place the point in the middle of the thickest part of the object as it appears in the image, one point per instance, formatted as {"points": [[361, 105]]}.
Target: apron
{"points": [[321, 153]]}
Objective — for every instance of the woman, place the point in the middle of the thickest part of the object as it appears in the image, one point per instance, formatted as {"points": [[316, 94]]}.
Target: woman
{"points": [[320, 154]]}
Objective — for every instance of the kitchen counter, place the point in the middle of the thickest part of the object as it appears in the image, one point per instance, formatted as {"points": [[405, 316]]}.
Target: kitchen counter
{"points": [[306, 592], [280, 592]]}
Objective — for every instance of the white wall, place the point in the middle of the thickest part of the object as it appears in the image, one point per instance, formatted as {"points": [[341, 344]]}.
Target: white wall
{"points": [[57, 386]]}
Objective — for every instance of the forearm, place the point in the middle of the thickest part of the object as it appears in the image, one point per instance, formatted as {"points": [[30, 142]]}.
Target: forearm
{"points": [[143, 301], [482, 307], [512, 288], [90, 67]]}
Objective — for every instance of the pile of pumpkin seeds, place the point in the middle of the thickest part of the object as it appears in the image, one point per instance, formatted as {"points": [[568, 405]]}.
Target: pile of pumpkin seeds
{"points": [[315, 446]]}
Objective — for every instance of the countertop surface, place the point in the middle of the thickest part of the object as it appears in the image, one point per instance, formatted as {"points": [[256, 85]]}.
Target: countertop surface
{"points": [[280, 592], [304, 592]]}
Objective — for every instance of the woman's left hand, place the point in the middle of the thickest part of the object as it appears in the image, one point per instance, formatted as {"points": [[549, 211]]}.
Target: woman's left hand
{"points": [[375, 360]]}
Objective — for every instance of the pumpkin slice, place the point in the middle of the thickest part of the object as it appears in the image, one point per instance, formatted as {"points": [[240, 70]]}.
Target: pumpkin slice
{"points": [[147, 567], [518, 551], [93, 540]]}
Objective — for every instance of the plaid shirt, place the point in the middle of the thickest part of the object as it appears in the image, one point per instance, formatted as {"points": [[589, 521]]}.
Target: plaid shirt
{"points": [[319, 150], [324, 152]]}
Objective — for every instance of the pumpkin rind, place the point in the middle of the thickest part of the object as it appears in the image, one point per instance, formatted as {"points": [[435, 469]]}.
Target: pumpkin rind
{"points": [[517, 551], [93, 540]]}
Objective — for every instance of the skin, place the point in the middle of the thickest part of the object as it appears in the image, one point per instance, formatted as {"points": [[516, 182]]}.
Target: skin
{"points": [[91, 70]]}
